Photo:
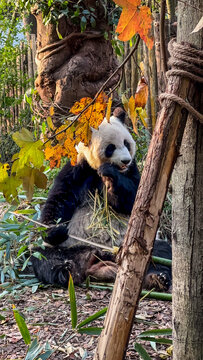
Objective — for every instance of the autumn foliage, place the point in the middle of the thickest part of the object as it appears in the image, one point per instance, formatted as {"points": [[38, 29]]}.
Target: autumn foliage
{"points": [[135, 19], [27, 166], [135, 106], [79, 131]]}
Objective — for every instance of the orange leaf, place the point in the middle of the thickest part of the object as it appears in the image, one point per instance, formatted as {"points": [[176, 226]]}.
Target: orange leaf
{"points": [[134, 122], [134, 19], [132, 113], [108, 111], [141, 94], [51, 110]]}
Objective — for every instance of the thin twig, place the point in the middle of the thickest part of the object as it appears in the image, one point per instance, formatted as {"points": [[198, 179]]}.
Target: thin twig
{"points": [[91, 243], [31, 220], [72, 236]]}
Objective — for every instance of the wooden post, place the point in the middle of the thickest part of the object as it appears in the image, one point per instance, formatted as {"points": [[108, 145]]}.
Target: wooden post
{"points": [[136, 251]]}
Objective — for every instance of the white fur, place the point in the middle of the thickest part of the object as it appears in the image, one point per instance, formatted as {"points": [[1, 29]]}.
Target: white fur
{"points": [[113, 132]]}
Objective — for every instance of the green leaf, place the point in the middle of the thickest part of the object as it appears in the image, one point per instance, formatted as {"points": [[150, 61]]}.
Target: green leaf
{"points": [[25, 264], [9, 188], [34, 350], [93, 317], [83, 23], [2, 317], [142, 352], [73, 305], [22, 326], [58, 33], [31, 153], [91, 330], [156, 332], [157, 340], [26, 211], [22, 137], [34, 288]]}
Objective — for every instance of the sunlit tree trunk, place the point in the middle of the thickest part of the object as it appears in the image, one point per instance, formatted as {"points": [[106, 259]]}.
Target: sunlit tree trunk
{"points": [[76, 65]]}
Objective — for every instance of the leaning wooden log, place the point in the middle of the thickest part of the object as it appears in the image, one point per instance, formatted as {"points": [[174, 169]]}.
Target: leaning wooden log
{"points": [[136, 251]]}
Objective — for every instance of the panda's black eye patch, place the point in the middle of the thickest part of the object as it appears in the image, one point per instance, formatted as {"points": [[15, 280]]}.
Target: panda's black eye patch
{"points": [[127, 144], [109, 150]]}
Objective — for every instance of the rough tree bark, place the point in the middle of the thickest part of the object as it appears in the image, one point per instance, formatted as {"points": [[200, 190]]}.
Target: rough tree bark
{"points": [[138, 243], [77, 65], [188, 217]]}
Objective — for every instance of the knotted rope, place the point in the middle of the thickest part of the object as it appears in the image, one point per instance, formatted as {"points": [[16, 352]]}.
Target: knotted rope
{"points": [[186, 62]]}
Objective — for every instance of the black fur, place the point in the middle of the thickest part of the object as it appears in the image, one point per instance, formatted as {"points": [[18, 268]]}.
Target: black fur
{"points": [[159, 276], [81, 261], [57, 263], [67, 194], [72, 185]]}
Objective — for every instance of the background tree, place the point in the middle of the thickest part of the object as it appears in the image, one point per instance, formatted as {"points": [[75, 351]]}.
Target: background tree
{"points": [[75, 57], [188, 214]]}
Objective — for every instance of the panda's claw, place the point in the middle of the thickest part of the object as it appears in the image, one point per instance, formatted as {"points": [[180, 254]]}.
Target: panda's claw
{"points": [[159, 281]]}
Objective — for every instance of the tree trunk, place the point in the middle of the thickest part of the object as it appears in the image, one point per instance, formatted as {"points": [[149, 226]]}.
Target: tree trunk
{"points": [[77, 65], [136, 251], [188, 217]]}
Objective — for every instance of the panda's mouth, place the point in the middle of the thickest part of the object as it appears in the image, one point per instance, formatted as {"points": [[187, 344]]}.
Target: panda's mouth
{"points": [[123, 168]]}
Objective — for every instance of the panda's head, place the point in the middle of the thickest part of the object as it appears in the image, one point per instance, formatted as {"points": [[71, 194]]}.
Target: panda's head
{"points": [[111, 143]]}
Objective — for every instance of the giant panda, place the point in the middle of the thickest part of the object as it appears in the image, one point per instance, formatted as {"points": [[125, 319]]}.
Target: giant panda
{"points": [[106, 168]]}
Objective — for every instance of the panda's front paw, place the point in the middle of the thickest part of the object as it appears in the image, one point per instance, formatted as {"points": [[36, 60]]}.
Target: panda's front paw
{"points": [[108, 170], [56, 235]]}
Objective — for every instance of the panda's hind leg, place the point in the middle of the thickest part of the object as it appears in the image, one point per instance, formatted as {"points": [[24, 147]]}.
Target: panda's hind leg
{"points": [[103, 271], [159, 276], [80, 261]]}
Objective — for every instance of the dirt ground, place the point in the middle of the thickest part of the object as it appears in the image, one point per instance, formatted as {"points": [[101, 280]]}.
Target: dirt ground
{"points": [[47, 314]]}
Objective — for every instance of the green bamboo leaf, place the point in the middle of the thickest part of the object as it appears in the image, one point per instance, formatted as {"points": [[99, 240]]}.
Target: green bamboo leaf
{"points": [[25, 264], [73, 305], [142, 352], [21, 250], [157, 340], [26, 211], [22, 326], [91, 330], [93, 317], [34, 350], [156, 332], [48, 351]]}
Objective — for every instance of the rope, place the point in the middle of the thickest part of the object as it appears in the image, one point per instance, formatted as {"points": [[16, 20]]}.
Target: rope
{"points": [[186, 62], [182, 103]]}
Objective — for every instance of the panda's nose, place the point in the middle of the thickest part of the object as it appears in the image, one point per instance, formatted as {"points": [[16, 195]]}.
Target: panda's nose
{"points": [[125, 161]]}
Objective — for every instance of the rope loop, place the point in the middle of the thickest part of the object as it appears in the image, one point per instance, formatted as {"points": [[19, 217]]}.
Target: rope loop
{"points": [[186, 62]]}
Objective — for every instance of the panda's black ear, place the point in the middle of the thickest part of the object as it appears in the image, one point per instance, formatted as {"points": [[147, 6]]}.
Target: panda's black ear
{"points": [[120, 114]]}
